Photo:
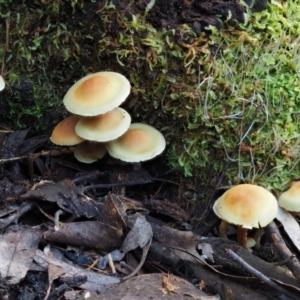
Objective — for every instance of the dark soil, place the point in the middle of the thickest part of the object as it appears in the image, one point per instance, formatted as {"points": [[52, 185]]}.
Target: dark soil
{"points": [[198, 14]]}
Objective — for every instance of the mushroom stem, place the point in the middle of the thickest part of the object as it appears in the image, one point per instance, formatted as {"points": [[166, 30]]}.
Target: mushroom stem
{"points": [[257, 236], [222, 229], [242, 236]]}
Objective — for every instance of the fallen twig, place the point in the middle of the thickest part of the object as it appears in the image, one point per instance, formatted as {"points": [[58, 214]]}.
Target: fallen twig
{"points": [[49, 216], [283, 262], [111, 263], [36, 155], [145, 252], [257, 274], [56, 219], [132, 183], [284, 252], [14, 217], [88, 176]]}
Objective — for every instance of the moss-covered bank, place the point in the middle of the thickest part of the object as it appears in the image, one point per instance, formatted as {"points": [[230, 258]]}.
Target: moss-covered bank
{"points": [[226, 102]]}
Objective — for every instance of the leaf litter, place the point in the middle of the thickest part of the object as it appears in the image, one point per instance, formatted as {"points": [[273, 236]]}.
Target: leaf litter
{"points": [[116, 229]]}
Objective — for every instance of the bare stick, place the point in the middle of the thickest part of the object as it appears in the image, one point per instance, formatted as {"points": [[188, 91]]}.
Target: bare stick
{"points": [[111, 263], [56, 219], [257, 274], [132, 183], [281, 263], [126, 266], [284, 252], [145, 252], [35, 155]]}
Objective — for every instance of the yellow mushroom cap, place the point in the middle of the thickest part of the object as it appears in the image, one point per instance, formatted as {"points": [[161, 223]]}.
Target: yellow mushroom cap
{"points": [[247, 205], [97, 93], [139, 143], [89, 152], [290, 200], [64, 133], [106, 127]]}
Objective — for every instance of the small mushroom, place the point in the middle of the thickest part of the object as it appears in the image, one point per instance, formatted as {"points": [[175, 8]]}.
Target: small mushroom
{"points": [[89, 152], [247, 206], [64, 133], [251, 242], [2, 83], [105, 127], [290, 199], [139, 143], [97, 93]]}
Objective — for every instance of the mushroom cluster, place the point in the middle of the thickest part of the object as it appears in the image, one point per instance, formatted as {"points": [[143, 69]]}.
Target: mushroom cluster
{"points": [[99, 125]]}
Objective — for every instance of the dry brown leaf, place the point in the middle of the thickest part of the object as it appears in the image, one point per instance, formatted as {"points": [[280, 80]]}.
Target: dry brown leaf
{"points": [[139, 235], [54, 272], [94, 282], [17, 248], [168, 287]]}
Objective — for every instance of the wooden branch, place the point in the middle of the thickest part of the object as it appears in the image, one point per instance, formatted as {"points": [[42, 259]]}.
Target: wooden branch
{"points": [[143, 259], [284, 252], [228, 288], [219, 247], [257, 274], [54, 152]]}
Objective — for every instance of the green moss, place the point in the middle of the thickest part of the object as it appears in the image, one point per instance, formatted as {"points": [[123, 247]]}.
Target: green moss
{"points": [[44, 57], [225, 102], [248, 99]]}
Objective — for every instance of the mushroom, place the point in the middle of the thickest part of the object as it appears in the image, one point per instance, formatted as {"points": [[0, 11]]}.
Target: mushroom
{"points": [[64, 133], [290, 199], [97, 93], [2, 83], [106, 127], [89, 152], [247, 206], [251, 242], [139, 143]]}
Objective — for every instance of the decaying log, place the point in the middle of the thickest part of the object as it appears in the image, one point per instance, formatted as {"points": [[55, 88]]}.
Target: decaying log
{"points": [[219, 247], [182, 247], [173, 240], [227, 288], [249, 269]]}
